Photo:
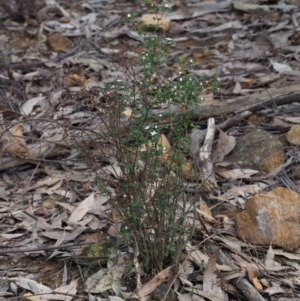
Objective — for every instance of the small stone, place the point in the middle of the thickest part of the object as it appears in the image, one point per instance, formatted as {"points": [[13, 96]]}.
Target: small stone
{"points": [[293, 135], [258, 150], [271, 218], [58, 42]]}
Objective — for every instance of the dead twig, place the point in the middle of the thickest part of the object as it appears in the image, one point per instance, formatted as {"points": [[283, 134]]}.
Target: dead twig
{"points": [[50, 248]]}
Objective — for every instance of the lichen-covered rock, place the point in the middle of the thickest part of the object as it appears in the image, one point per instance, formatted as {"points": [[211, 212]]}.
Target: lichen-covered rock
{"points": [[271, 218], [258, 150]]}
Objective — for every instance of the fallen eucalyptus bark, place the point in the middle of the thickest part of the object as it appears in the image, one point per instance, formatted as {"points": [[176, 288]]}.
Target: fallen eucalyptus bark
{"points": [[204, 160], [242, 284]]}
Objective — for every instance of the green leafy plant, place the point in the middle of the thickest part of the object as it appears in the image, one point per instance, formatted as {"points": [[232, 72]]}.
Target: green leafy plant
{"points": [[157, 216]]}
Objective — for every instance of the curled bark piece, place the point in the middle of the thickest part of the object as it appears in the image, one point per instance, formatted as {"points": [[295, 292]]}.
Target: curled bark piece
{"points": [[204, 160]]}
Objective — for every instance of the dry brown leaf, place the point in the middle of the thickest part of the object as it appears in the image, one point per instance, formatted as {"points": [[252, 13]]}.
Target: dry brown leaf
{"points": [[31, 297], [29, 105], [74, 80], [198, 257], [83, 208], [127, 112], [223, 268], [253, 272], [276, 289], [114, 298], [41, 211], [70, 289], [14, 143], [207, 217], [257, 284], [211, 283], [67, 206], [114, 229], [270, 257], [291, 256], [58, 42], [189, 171], [225, 145], [243, 191], [17, 130], [185, 270], [232, 242], [204, 208], [153, 283], [188, 297], [163, 142], [61, 239], [238, 173]]}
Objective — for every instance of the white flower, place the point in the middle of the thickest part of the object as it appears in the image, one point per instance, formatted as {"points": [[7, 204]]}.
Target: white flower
{"points": [[169, 40], [180, 79], [128, 15], [147, 127], [160, 115], [201, 98], [218, 79], [201, 84], [167, 5], [191, 61], [153, 133]]}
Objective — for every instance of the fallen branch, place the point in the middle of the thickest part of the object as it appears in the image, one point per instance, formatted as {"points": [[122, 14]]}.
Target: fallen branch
{"points": [[253, 102], [50, 248]]}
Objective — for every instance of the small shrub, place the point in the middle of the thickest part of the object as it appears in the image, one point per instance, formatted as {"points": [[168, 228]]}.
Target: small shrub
{"points": [[150, 185]]}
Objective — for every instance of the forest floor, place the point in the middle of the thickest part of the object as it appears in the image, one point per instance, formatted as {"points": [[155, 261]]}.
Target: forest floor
{"points": [[51, 209]]}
